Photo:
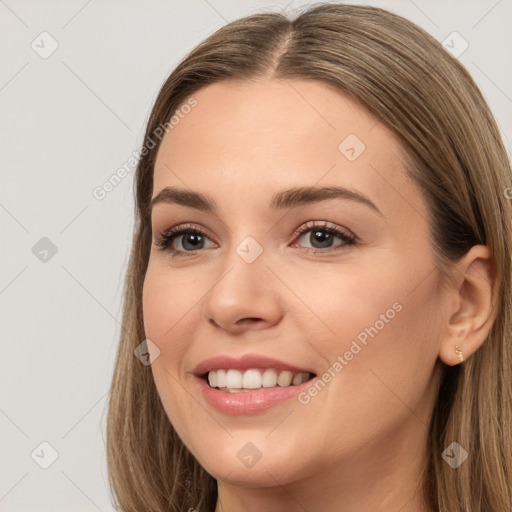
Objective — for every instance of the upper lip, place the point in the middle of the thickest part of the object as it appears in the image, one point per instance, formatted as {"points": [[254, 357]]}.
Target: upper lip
{"points": [[245, 362]]}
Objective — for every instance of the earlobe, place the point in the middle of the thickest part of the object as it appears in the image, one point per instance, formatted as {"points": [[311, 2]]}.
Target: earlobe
{"points": [[473, 313], [453, 351], [460, 354]]}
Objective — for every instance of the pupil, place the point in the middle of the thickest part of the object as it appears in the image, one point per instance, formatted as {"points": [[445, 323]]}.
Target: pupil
{"points": [[191, 237], [322, 237]]}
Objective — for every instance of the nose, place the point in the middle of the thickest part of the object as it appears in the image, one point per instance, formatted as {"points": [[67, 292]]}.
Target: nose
{"points": [[245, 296]]}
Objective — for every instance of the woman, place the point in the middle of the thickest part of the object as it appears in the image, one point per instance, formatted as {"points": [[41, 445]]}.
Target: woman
{"points": [[320, 279]]}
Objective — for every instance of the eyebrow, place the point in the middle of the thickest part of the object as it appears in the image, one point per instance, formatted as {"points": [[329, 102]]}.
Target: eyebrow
{"points": [[291, 198]]}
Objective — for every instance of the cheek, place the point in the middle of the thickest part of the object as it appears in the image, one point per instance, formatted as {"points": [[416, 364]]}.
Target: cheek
{"points": [[338, 302], [158, 305], [167, 319], [168, 300], [374, 331]]}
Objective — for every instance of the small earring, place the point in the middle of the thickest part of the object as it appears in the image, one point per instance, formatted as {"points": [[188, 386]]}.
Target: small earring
{"points": [[458, 351]]}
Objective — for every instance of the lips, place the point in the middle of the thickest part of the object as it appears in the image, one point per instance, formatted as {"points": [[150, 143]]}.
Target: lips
{"points": [[246, 362], [247, 401]]}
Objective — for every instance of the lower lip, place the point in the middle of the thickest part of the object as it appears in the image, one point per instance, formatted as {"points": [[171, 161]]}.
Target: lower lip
{"points": [[248, 402]]}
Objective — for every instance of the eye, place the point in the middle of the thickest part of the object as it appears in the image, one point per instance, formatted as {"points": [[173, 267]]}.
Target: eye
{"points": [[322, 235], [192, 239]]}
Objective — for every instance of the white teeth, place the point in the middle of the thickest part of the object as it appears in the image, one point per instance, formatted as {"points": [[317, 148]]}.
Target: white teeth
{"points": [[269, 378], [221, 378], [235, 380], [285, 378], [251, 379], [297, 379]]}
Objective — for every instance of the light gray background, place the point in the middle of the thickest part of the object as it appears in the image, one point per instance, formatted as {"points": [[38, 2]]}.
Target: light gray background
{"points": [[68, 122]]}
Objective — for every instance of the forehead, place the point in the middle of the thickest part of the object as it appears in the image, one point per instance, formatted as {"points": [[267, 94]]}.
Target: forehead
{"points": [[267, 135]]}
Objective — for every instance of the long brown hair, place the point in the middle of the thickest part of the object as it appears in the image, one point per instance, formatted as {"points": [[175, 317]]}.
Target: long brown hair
{"points": [[457, 158]]}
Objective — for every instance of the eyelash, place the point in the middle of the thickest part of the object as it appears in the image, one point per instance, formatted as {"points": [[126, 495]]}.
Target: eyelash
{"points": [[166, 238]]}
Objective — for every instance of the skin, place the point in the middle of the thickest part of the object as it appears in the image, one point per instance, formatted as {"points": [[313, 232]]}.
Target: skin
{"points": [[360, 443]]}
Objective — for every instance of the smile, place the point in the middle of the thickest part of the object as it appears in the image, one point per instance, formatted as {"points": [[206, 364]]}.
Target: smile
{"points": [[233, 381]]}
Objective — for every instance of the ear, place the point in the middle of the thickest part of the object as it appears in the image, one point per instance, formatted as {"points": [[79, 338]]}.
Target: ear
{"points": [[472, 313]]}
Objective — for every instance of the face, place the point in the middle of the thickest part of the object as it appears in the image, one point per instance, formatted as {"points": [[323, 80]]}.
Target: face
{"points": [[339, 287]]}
